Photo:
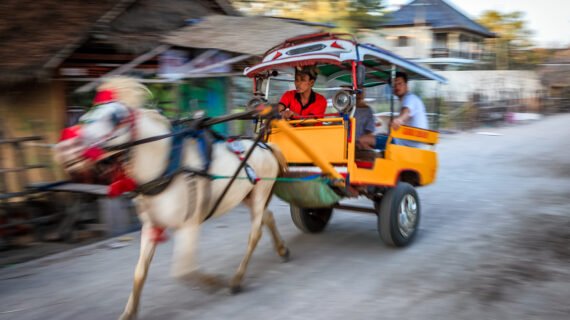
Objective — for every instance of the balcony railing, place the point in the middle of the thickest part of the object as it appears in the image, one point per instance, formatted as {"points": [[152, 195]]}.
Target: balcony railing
{"points": [[447, 53]]}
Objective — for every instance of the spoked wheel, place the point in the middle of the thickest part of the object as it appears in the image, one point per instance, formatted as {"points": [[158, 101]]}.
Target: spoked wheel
{"points": [[311, 220], [399, 215]]}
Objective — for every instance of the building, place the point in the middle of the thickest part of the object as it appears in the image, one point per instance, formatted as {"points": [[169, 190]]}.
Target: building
{"points": [[54, 53], [51, 48], [435, 33], [555, 76]]}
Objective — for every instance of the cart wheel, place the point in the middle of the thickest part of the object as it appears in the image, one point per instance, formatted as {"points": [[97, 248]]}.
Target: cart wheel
{"points": [[399, 215], [311, 220]]}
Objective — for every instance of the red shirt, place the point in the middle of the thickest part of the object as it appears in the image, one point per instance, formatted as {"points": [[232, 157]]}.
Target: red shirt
{"points": [[316, 106]]}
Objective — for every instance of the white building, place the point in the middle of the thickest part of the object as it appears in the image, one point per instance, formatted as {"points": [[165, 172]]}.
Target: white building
{"points": [[432, 32]]}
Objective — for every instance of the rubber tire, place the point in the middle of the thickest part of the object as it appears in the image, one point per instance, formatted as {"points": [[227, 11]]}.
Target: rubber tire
{"points": [[388, 215], [311, 220]]}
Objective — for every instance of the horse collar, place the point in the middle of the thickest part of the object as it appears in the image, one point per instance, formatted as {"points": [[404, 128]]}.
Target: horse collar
{"points": [[175, 165]]}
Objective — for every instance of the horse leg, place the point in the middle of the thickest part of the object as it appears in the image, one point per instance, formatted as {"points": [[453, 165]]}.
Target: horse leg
{"points": [[185, 245], [148, 245], [186, 236], [184, 266], [278, 242], [254, 236]]}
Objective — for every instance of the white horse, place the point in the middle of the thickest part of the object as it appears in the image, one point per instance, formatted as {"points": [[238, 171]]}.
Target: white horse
{"points": [[187, 200]]}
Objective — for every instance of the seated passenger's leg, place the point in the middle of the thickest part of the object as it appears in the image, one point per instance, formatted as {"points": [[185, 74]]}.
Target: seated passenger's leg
{"points": [[381, 140]]}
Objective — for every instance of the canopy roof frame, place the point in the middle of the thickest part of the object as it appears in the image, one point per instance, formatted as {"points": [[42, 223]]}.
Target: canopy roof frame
{"points": [[325, 48]]}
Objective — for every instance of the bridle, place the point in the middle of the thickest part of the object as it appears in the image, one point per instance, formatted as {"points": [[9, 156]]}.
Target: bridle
{"points": [[120, 125]]}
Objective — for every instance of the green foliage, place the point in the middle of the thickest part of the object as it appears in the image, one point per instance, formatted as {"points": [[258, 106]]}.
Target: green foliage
{"points": [[512, 47], [509, 26], [164, 99], [347, 15], [364, 14]]}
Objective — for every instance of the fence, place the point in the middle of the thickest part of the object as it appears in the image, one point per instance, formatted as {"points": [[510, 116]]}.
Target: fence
{"points": [[46, 209]]}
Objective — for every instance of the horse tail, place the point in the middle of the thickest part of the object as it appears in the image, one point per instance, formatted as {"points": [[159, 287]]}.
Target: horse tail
{"points": [[283, 167]]}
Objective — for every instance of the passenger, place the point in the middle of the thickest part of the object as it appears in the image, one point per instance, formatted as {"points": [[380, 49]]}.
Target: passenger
{"points": [[303, 101], [365, 125], [412, 110]]}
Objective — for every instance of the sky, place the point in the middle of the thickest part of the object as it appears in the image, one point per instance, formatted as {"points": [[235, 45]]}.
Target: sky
{"points": [[549, 20]]}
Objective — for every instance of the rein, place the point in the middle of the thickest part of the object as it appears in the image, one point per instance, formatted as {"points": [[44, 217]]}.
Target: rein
{"points": [[196, 128], [128, 145], [240, 167], [203, 123], [199, 129]]}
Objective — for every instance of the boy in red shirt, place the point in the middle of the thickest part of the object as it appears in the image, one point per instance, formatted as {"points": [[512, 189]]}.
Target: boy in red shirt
{"points": [[303, 101]]}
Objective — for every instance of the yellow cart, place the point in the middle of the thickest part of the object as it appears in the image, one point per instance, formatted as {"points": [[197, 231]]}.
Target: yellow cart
{"points": [[325, 146]]}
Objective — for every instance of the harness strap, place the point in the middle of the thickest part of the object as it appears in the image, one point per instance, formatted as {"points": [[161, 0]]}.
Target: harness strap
{"points": [[158, 185], [204, 139], [233, 178]]}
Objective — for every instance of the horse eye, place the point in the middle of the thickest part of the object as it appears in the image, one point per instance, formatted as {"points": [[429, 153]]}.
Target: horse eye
{"points": [[115, 119]]}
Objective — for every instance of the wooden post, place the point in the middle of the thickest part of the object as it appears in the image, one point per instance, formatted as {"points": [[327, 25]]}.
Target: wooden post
{"points": [[3, 182], [21, 164]]}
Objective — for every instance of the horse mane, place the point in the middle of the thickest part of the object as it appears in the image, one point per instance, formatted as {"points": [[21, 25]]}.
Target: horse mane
{"points": [[126, 90], [155, 115]]}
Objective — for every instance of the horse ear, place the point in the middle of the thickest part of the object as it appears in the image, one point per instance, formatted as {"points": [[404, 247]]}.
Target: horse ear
{"points": [[126, 90]]}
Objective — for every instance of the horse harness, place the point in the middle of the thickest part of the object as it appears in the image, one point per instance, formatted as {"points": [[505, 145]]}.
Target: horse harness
{"points": [[206, 138]]}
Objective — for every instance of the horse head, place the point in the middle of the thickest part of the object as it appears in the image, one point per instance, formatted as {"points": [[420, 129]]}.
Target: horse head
{"points": [[109, 123]]}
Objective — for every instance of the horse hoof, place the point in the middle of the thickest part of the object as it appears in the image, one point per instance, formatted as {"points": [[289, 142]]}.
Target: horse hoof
{"points": [[128, 316], [235, 289], [286, 255]]}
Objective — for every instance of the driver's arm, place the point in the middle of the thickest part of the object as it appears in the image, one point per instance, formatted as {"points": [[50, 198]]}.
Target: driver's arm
{"points": [[285, 112]]}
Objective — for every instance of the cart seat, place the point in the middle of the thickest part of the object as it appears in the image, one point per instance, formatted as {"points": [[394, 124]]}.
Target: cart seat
{"points": [[364, 158]]}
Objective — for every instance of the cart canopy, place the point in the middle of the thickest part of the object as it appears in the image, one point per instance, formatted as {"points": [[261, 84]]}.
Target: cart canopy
{"points": [[334, 53]]}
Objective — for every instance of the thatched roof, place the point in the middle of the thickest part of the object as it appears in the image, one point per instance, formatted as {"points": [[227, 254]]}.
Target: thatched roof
{"points": [[141, 28], [249, 35], [34, 32], [38, 35]]}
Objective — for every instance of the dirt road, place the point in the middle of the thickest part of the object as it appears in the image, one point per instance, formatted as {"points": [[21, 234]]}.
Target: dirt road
{"points": [[494, 243]]}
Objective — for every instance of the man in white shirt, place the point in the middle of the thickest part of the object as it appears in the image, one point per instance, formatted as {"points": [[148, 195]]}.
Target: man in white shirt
{"points": [[412, 111]]}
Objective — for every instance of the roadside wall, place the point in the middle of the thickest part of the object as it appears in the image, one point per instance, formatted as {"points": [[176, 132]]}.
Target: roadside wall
{"points": [[31, 109], [490, 85]]}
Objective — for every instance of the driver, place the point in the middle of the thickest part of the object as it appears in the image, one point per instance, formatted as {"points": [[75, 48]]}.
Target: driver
{"points": [[303, 101]]}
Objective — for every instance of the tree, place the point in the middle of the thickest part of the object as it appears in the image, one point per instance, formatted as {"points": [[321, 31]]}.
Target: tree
{"points": [[511, 46], [346, 15]]}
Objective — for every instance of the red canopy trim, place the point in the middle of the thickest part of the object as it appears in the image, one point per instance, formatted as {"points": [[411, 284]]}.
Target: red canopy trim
{"points": [[299, 63]]}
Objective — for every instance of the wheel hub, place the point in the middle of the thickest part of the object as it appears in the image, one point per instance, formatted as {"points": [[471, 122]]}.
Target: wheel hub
{"points": [[407, 215]]}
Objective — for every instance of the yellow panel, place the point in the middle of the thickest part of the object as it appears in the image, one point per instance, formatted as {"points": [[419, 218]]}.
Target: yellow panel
{"points": [[384, 173], [328, 141], [416, 134], [304, 122], [330, 144], [397, 160]]}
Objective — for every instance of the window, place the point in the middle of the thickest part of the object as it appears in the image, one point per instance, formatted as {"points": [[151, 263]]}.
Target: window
{"points": [[440, 40], [403, 41]]}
